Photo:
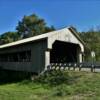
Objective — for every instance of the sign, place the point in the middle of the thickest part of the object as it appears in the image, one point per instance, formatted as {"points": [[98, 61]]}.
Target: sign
{"points": [[92, 54]]}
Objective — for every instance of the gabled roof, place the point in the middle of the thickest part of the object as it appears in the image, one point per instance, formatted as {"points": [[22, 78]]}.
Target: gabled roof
{"points": [[39, 37], [76, 35]]}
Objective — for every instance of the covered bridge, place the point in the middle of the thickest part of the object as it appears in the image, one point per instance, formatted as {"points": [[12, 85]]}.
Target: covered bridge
{"points": [[35, 53]]}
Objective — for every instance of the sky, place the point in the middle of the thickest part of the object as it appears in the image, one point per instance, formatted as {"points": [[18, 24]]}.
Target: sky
{"points": [[82, 14]]}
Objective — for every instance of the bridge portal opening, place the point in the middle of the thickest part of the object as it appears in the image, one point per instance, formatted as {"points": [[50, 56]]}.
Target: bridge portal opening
{"points": [[64, 52]]}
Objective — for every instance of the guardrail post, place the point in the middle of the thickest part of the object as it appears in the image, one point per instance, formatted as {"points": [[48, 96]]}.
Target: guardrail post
{"points": [[68, 67], [74, 66], [64, 66], [80, 67], [92, 68]]}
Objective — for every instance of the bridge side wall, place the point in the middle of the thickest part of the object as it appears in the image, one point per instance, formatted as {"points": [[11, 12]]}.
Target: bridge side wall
{"points": [[37, 61]]}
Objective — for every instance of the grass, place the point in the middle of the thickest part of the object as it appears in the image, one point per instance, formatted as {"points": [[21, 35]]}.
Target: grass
{"points": [[75, 86]]}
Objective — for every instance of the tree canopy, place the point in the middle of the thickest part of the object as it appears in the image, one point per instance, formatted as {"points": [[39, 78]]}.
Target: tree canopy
{"points": [[92, 39], [32, 25], [29, 26], [8, 37]]}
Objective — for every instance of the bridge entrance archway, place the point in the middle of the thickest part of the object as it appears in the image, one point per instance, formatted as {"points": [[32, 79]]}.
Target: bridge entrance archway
{"points": [[64, 52]]}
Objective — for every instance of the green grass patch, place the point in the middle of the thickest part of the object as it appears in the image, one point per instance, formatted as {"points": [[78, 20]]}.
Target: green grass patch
{"points": [[55, 85]]}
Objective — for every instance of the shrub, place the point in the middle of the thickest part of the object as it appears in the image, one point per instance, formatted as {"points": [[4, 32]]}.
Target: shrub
{"points": [[55, 77]]}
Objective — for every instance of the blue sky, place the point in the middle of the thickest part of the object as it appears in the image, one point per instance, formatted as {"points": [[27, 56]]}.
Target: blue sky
{"points": [[83, 14]]}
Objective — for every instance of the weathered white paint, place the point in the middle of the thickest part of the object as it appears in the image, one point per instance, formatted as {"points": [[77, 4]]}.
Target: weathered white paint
{"points": [[47, 59], [80, 57], [64, 35]]}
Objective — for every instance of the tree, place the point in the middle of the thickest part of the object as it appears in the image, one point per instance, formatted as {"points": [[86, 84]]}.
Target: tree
{"points": [[8, 37], [92, 39], [32, 25], [29, 26]]}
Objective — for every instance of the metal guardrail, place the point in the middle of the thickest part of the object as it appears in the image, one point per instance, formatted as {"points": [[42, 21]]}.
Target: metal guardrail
{"points": [[92, 66]]}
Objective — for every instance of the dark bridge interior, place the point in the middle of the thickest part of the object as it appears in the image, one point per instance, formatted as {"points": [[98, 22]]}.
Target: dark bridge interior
{"points": [[63, 52]]}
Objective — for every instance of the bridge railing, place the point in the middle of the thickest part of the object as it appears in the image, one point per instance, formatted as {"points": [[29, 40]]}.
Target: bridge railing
{"points": [[74, 66]]}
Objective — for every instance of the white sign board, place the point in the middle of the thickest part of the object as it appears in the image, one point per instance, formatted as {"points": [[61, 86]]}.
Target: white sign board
{"points": [[93, 54]]}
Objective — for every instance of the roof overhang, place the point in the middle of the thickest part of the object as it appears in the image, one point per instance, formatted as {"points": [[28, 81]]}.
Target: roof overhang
{"points": [[40, 37]]}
